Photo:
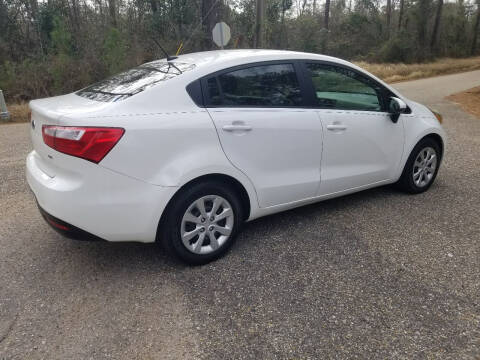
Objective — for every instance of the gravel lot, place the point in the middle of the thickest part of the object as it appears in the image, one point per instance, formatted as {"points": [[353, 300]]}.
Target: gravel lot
{"points": [[378, 274]]}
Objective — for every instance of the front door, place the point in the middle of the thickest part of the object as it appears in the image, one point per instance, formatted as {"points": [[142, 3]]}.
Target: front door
{"points": [[361, 146]]}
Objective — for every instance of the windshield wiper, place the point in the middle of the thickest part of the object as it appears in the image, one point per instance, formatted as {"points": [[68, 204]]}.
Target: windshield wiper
{"points": [[170, 64], [108, 93], [175, 66]]}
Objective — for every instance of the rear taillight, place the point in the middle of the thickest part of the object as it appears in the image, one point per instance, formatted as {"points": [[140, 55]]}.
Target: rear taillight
{"points": [[89, 143]]}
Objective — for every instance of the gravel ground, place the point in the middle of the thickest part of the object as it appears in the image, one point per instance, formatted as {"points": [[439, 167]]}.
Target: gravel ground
{"points": [[378, 274]]}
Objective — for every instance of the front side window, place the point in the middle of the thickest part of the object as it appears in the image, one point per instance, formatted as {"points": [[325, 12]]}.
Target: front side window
{"points": [[273, 85], [340, 88], [133, 81]]}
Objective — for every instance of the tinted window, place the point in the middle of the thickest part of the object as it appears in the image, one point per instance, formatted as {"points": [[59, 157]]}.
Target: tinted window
{"points": [[266, 85], [340, 88], [214, 91], [133, 81]]}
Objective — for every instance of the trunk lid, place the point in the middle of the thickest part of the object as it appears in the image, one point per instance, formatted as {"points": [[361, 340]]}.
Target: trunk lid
{"points": [[52, 111]]}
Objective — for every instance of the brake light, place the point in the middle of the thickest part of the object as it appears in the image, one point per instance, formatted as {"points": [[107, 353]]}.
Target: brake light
{"points": [[89, 143]]}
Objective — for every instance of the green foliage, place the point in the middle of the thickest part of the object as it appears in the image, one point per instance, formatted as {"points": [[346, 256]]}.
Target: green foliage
{"points": [[454, 31], [48, 15], [397, 50], [7, 75], [361, 34], [309, 33], [24, 80], [114, 51], [58, 71], [61, 38]]}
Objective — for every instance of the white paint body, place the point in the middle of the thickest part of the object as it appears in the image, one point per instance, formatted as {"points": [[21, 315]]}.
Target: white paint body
{"points": [[288, 159]]}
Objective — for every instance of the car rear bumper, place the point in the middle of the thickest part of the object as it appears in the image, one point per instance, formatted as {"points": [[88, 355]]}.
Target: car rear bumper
{"points": [[97, 202], [66, 229]]}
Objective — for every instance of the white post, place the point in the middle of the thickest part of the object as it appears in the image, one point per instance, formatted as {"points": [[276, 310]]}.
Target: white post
{"points": [[4, 114], [221, 35]]}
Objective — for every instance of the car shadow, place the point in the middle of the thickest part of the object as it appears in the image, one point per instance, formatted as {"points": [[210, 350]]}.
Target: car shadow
{"points": [[128, 252]]}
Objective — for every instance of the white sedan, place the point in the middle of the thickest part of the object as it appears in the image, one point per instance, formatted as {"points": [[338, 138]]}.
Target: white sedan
{"points": [[184, 150]]}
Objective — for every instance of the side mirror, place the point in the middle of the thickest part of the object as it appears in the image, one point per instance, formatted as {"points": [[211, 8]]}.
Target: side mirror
{"points": [[396, 107]]}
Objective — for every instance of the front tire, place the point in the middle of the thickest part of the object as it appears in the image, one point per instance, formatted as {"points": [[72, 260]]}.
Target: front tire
{"points": [[421, 168], [201, 223]]}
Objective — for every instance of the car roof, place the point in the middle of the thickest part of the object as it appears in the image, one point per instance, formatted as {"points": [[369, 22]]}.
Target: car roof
{"points": [[210, 61], [220, 56]]}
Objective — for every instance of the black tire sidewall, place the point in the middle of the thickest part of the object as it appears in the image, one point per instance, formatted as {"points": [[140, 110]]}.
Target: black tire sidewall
{"points": [[172, 226], [406, 181]]}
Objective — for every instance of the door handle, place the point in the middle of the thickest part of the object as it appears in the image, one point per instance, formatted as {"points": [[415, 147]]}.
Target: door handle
{"points": [[336, 127], [235, 127]]}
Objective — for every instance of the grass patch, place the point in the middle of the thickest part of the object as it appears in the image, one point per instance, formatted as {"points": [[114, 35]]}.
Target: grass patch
{"points": [[392, 73], [18, 112], [469, 100]]}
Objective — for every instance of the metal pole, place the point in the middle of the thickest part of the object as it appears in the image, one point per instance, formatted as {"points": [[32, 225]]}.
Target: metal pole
{"points": [[4, 114]]}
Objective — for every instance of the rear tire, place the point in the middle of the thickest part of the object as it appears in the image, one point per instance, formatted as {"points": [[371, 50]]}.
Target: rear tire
{"points": [[421, 168], [201, 222]]}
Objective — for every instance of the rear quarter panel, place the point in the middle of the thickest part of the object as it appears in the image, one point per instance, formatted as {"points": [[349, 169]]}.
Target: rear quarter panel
{"points": [[171, 149]]}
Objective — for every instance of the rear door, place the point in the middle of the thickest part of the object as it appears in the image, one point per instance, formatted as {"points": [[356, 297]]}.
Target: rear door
{"points": [[266, 130], [361, 146]]}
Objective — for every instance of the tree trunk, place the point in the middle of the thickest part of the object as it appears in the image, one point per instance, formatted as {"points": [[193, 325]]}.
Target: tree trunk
{"points": [[154, 6], [421, 24], [34, 9], [303, 6], [112, 12], [325, 26], [436, 25], [461, 32], [209, 18], [259, 24], [327, 14], [389, 16], [400, 14], [75, 15], [475, 30], [282, 42]]}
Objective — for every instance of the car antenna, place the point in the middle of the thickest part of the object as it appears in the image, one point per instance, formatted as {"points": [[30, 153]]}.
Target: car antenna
{"points": [[169, 58]]}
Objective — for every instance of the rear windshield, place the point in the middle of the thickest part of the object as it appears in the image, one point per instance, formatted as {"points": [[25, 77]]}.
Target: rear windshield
{"points": [[133, 81]]}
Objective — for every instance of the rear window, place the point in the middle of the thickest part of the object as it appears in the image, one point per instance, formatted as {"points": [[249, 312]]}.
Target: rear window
{"points": [[133, 81]]}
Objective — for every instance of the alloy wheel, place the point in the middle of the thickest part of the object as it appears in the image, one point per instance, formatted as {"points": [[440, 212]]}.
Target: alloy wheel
{"points": [[424, 167], [207, 224]]}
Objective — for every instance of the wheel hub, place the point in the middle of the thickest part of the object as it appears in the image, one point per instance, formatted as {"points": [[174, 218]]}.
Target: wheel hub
{"points": [[424, 167], [207, 224]]}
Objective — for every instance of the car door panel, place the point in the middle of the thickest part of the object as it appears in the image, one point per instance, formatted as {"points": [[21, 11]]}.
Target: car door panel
{"points": [[361, 145], [360, 148], [278, 149]]}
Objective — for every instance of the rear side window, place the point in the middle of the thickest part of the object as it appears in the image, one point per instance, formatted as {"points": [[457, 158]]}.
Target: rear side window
{"points": [[273, 85], [133, 81], [340, 88], [214, 91]]}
